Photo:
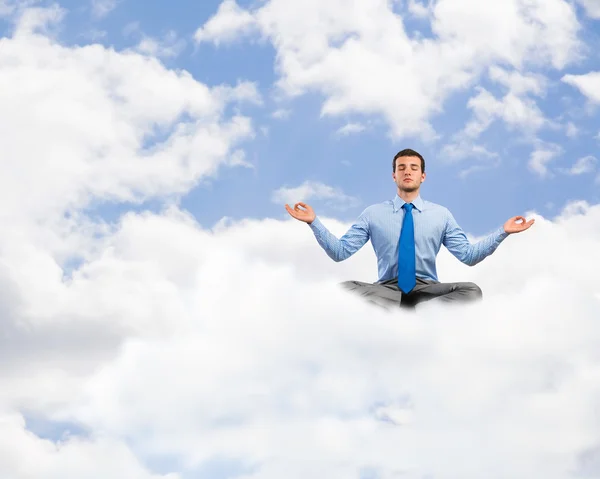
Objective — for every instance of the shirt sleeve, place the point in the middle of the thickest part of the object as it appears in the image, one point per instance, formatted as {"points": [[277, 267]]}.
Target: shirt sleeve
{"points": [[339, 249], [459, 245]]}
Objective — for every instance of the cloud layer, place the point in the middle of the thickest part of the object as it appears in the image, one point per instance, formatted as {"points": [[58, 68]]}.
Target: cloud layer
{"points": [[237, 344]]}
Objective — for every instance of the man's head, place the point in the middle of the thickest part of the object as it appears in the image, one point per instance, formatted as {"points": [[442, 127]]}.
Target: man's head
{"points": [[408, 170]]}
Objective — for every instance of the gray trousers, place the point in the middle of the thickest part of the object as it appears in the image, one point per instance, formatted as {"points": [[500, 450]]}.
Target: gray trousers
{"points": [[387, 294]]}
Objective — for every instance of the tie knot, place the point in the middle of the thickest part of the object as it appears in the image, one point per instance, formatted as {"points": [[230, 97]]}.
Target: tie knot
{"points": [[408, 206]]}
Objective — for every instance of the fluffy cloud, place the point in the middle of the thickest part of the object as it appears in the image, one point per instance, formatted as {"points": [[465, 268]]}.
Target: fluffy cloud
{"points": [[237, 344], [101, 8], [313, 189], [543, 154], [351, 129], [587, 164], [518, 110], [169, 46], [107, 116], [592, 7], [22, 454], [587, 84], [81, 126], [515, 108], [6, 7], [226, 25], [404, 79]]}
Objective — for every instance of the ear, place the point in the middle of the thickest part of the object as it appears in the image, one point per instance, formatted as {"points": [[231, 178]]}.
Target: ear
{"points": [[423, 176]]}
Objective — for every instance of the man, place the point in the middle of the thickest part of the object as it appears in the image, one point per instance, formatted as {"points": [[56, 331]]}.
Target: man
{"points": [[407, 233]]}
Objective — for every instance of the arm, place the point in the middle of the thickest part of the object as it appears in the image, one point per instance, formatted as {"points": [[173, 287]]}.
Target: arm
{"points": [[344, 247], [470, 254], [337, 249]]}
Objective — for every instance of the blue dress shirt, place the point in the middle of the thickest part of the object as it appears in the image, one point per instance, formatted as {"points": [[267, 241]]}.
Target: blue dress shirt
{"points": [[381, 223]]}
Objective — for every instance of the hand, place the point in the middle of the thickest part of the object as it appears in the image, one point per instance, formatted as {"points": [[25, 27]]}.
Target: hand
{"points": [[307, 214], [517, 224]]}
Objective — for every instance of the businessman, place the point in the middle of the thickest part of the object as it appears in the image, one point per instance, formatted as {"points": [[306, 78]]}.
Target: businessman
{"points": [[407, 233]]}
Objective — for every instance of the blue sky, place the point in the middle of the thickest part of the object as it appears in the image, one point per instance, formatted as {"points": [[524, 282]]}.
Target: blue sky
{"points": [[305, 146]]}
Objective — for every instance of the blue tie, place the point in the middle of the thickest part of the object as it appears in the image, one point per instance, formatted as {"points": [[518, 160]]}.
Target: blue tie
{"points": [[406, 252]]}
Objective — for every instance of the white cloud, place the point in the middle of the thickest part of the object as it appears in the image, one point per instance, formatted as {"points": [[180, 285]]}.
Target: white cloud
{"points": [[107, 127], [37, 20], [571, 130], [22, 454], [281, 114], [168, 47], [279, 365], [463, 148], [518, 83], [79, 126], [351, 129], [110, 116], [592, 7], [588, 84], [313, 189], [419, 9], [402, 79], [584, 165], [542, 155], [229, 22], [101, 8], [10, 7], [516, 109], [6, 7]]}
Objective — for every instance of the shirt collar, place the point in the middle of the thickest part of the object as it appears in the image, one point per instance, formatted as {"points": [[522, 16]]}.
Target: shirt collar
{"points": [[399, 202]]}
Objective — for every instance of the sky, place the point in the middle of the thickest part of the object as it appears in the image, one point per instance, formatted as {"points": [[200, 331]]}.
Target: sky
{"points": [[161, 314]]}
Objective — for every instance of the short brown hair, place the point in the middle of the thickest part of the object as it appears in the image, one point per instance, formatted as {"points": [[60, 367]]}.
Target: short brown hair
{"points": [[408, 152]]}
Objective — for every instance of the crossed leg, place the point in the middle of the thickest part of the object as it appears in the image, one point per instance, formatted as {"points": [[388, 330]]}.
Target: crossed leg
{"points": [[388, 296], [426, 290]]}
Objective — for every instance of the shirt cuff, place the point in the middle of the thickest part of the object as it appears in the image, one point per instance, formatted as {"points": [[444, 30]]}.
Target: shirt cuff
{"points": [[316, 225], [501, 235]]}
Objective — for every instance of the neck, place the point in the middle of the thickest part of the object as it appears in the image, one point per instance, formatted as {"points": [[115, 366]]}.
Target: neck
{"points": [[408, 196]]}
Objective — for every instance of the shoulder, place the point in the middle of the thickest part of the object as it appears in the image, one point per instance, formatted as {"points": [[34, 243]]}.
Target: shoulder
{"points": [[387, 205], [435, 208], [376, 211], [437, 214]]}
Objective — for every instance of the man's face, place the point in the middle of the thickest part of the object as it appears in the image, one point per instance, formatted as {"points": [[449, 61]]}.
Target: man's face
{"points": [[408, 175]]}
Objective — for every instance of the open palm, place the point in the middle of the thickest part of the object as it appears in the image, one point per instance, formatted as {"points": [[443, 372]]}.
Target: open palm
{"points": [[305, 214]]}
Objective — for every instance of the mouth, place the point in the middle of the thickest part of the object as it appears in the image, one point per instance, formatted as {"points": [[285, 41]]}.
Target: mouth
{"points": [[407, 179]]}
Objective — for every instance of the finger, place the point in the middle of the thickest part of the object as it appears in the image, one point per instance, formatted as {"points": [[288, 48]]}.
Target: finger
{"points": [[291, 211], [528, 224]]}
